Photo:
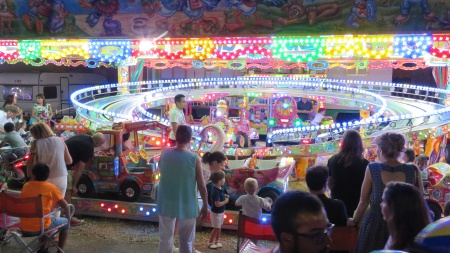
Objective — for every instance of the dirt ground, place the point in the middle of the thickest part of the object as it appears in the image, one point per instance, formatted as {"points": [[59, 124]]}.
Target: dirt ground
{"points": [[123, 236]]}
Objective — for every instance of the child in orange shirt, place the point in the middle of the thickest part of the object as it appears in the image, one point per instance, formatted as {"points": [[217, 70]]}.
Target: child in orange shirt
{"points": [[50, 195]]}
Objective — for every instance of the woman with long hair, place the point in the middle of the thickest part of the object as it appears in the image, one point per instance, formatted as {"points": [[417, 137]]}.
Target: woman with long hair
{"points": [[374, 233], [42, 111], [347, 170], [51, 150], [406, 213], [12, 100]]}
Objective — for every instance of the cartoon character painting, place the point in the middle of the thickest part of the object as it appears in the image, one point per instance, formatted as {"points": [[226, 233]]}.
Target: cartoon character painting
{"points": [[405, 9], [106, 8], [297, 13], [246, 8], [7, 8], [363, 9]]}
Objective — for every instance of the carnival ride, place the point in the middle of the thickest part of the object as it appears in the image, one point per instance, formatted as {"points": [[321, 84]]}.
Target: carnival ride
{"points": [[424, 116]]}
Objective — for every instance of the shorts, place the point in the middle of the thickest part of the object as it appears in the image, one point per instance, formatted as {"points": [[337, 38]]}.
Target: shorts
{"points": [[55, 222], [216, 219], [69, 180]]}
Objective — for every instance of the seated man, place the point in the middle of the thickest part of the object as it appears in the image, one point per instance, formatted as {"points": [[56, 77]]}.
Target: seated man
{"points": [[50, 195], [320, 115], [300, 224], [18, 146], [6, 115], [317, 180]]}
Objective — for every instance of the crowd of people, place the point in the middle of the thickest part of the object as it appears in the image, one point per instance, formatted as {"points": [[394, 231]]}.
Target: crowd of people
{"points": [[383, 198]]}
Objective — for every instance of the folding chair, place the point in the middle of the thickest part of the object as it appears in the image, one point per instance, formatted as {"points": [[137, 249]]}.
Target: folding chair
{"points": [[344, 239], [253, 229], [29, 208]]}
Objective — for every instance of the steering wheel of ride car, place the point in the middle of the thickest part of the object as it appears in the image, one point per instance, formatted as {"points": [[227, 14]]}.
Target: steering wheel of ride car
{"points": [[133, 157], [101, 153], [143, 154]]}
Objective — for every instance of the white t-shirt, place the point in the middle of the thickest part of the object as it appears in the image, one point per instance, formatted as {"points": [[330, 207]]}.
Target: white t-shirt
{"points": [[4, 119], [176, 115], [252, 205], [317, 119]]}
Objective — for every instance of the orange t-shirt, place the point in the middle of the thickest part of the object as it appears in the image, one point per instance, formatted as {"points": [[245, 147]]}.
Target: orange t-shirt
{"points": [[50, 194]]}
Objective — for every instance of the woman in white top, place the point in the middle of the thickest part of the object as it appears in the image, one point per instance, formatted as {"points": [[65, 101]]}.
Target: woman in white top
{"points": [[51, 150]]}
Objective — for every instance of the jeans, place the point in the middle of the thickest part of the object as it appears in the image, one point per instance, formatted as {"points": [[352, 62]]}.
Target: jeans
{"points": [[406, 5], [55, 222]]}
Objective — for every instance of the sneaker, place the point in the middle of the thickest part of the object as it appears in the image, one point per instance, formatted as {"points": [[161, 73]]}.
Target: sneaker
{"points": [[213, 246], [196, 251], [219, 245], [76, 222], [175, 250]]}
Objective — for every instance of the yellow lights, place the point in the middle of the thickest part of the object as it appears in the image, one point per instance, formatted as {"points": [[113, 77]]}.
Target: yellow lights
{"points": [[372, 47], [199, 49], [57, 49]]}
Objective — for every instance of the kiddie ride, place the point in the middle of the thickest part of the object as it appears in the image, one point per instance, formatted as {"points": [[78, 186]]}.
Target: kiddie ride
{"points": [[272, 176], [437, 188], [122, 165], [235, 124]]}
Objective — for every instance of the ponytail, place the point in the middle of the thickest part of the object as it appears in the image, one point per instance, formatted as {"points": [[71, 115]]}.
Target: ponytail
{"points": [[217, 156]]}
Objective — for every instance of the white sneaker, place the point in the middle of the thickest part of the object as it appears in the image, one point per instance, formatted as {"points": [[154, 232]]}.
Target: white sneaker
{"points": [[196, 251], [213, 246], [219, 245], [175, 250]]}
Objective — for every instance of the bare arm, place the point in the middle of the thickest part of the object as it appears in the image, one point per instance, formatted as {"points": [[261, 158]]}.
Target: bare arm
{"points": [[419, 180], [174, 127], [63, 204], [2, 130], [365, 197], [50, 113], [330, 183], [201, 188], [222, 203], [33, 114], [67, 157]]}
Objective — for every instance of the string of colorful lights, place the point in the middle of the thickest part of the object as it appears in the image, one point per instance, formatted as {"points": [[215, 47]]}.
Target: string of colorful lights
{"points": [[273, 50]]}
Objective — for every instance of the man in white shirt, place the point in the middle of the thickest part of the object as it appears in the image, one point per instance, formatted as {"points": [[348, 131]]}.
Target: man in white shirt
{"points": [[9, 112], [176, 117]]}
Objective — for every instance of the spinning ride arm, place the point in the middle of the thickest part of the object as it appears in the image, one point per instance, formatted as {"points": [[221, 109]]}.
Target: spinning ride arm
{"points": [[212, 133]]}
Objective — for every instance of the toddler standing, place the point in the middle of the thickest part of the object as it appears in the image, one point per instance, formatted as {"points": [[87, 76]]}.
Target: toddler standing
{"points": [[252, 204], [219, 199]]}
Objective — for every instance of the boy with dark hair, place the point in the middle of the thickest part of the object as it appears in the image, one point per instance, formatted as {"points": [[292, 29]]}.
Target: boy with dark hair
{"points": [[50, 195], [316, 180], [409, 156], [219, 199], [18, 146], [300, 224]]}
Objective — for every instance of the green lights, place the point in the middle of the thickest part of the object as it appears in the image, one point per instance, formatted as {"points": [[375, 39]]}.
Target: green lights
{"points": [[271, 122], [298, 123]]}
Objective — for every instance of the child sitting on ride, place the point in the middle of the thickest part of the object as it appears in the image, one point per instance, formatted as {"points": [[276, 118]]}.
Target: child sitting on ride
{"points": [[251, 163], [408, 156], [320, 115], [252, 204], [422, 162], [20, 127], [18, 146]]}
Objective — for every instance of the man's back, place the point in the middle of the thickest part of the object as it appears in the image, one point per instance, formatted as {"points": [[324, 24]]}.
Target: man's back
{"points": [[81, 147], [335, 208]]}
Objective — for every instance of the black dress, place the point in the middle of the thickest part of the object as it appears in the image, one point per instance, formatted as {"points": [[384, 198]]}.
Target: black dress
{"points": [[347, 181]]}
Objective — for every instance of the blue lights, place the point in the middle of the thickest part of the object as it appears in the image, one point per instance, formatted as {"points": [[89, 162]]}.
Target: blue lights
{"points": [[141, 209], [154, 209], [147, 213], [412, 46]]}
